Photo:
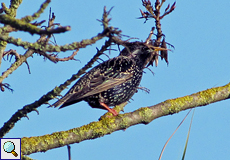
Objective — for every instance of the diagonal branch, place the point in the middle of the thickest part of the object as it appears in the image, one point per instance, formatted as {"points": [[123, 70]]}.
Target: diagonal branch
{"points": [[50, 95], [38, 13], [108, 125], [16, 64]]}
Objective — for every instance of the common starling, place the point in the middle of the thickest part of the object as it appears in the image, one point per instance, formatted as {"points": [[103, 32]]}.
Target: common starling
{"points": [[112, 82]]}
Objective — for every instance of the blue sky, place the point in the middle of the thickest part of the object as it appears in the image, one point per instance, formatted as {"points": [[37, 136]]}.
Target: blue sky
{"points": [[199, 30]]}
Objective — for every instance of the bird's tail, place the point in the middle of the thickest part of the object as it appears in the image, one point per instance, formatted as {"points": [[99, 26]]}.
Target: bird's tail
{"points": [[58, 103], [61, 101]]}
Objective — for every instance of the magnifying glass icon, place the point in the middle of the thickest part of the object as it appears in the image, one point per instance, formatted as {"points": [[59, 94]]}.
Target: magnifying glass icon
{"points": [[9, 147]]}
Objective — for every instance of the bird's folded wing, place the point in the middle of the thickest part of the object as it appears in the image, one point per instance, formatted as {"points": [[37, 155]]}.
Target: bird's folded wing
{"points": [[107, 84]]}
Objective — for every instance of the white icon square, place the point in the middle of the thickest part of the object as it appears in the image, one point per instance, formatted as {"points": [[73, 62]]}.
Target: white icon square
{"points": [[10, 148]]}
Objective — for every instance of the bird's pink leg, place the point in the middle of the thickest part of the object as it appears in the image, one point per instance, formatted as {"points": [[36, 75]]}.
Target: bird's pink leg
{"points": [[109, 109]]}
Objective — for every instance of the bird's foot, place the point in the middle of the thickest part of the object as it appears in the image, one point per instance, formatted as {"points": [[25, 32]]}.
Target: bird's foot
{"points": [[113, 111]]}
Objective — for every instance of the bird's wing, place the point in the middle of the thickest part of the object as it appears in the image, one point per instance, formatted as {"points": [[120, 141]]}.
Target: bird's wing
{"points": [[104, 79], [107, 84]]}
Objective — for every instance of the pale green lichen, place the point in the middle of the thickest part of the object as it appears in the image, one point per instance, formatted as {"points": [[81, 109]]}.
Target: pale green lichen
{"points": [[207, 96], [145, 114], [3, 43], [124, 123], [177, 104]]}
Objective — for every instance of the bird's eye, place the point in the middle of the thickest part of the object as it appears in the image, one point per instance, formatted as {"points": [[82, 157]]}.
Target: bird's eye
{"points": [[144, 49], [135, 52]]}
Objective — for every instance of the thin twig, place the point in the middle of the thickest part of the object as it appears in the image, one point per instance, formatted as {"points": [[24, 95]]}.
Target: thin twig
{"points": [[71, 57]]}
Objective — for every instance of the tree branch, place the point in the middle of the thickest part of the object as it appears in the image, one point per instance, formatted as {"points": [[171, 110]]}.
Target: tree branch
{"points": [[16, 64], [27, 27], [51, 48], [38, 13], [14, 4], [108, 125]]}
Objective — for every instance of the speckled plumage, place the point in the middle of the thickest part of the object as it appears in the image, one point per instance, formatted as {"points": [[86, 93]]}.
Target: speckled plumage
{"points": [[112, 82]]}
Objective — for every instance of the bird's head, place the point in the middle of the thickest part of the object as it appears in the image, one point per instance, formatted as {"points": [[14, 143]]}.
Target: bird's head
{"points": [[143, 53]]}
